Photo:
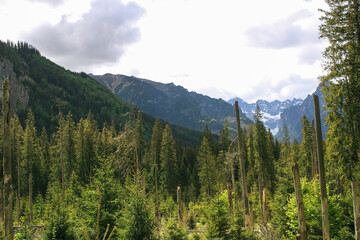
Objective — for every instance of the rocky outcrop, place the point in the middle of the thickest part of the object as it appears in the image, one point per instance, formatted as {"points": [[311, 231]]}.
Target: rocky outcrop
{"points": [[18, 91]]}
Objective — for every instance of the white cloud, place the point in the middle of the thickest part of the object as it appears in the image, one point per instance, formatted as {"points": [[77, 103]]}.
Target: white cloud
{"points": [[100, 36]]}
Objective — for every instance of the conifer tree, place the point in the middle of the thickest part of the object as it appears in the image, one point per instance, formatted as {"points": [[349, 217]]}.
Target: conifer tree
{"points": [[224, 139], [306, 146], [169, 165], [9, 231], [341, 86], [29, 153], [207, 169], [155, 149]]}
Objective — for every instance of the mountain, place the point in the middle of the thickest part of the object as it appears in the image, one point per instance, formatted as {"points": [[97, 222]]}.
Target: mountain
{"points": [[270, 111], [39, 85], [292, 116], [172, 103]]}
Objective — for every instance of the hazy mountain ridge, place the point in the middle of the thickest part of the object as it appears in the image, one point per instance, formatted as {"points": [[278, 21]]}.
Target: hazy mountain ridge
{"points": [[271, 111], [172, 103]]}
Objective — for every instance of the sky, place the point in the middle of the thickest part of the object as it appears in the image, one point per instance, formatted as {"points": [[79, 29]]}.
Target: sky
{"points": [[221, 48]]}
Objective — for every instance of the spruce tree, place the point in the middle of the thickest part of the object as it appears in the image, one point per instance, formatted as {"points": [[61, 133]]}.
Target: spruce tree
{"points": [[169, 165], [341, 86], [207, 169]]}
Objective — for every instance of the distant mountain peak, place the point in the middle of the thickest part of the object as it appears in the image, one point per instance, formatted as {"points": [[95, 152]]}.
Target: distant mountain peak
{"points": [[271, 111]]}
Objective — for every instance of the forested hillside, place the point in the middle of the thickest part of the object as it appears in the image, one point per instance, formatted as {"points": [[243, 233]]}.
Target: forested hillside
{"points": [[46, 88]]}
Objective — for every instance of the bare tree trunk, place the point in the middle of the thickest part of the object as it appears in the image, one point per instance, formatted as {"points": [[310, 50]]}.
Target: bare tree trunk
{"points": [[242, 170], [18, 199], [157, 212], [299, 203], [230, 202], [236, 196], [9, 231], [180, 205], [265, 208], [355, 187], [2, 206], [62, 165], [30, 198], [313, 152], [324, 201]]}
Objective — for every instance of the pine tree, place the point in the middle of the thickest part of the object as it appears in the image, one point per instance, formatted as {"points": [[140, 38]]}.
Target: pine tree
{"points": [[207, 169], [341, 86], [29, 153], [224, 139], [306, 147], [169, 165]]}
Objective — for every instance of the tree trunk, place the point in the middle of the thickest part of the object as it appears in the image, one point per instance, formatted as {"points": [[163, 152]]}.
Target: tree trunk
{"points": [[30, 198], [236, 196], [18, 199], [355, 187], [319, 142], [299, 203], [265, 208], [9, 231], [230, 202], [242, 171], [2, 208], [180, 205], [157, 212], [313, 153]]}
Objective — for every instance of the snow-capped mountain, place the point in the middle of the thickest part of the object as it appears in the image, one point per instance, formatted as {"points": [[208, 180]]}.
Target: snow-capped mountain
{"points": [[270, 111]]}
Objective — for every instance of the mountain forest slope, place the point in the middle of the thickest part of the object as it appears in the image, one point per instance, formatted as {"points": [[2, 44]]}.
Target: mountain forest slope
{"points": [[45, 88]]}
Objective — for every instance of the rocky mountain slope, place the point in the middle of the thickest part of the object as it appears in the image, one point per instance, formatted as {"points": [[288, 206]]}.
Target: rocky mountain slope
{"points": [[172, 103], [270, 111]]}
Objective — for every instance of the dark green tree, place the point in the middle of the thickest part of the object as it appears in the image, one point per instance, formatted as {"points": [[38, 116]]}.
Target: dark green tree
{"points": [[169, 165]]}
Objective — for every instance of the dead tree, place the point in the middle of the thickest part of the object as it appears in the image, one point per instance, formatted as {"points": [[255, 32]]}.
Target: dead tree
{"points": [[320, 154], [9, 231], [242, 170]]}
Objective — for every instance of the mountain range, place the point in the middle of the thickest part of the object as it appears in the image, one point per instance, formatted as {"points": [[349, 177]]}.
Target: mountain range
{"points": [[270, 111], [173, 103], [192, 110], [45, 87]]}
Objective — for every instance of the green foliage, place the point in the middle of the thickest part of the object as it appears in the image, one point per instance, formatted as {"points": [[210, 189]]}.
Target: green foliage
{"points": [[139, 222], [173, 231], [340, 210], [60, 227], [217, 213]]}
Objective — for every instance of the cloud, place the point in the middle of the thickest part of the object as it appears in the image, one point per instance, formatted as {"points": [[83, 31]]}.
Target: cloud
{"points": [[99, 37], [309, 55], [53, 3], [285, 33], [294, 86]]}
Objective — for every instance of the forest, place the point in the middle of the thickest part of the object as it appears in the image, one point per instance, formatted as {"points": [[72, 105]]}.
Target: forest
{"points": [[86, 179]]}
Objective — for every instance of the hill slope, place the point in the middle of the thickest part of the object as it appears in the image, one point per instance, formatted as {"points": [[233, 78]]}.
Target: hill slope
{"points": [[172, 103], [44, 87]]}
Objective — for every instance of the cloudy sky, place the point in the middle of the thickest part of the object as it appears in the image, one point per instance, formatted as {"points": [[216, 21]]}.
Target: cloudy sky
{"points": [[222, 48]]}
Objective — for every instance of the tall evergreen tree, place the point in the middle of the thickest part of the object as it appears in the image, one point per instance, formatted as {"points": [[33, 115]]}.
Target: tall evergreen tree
{"points": [[29, 153], [207, 169], [306, 147], [169, 165], [341, 86]]}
